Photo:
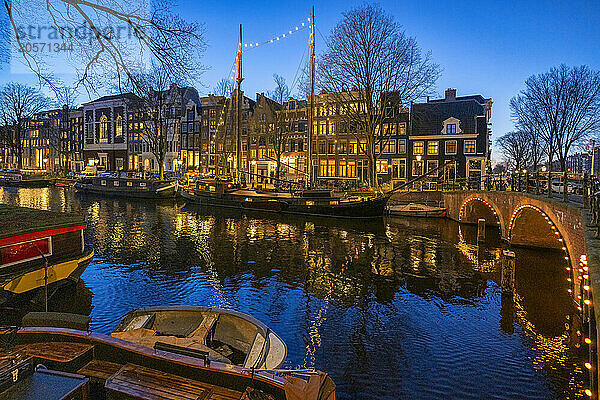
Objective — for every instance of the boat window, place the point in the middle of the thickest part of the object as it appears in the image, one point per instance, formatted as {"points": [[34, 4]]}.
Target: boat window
{"points": [[103, 183], [116, 183], [310, 203], [129, 184], [142, 184]]}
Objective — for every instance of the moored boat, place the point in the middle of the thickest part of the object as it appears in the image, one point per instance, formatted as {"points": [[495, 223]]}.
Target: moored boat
{"points": [[114, 185], [72, 361], [227, 336], [17, 179], [311, 202], [417, 210], [39, 249]]}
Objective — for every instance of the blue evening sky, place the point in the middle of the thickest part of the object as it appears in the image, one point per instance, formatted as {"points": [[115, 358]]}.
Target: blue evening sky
{"points": [[486, 48]]}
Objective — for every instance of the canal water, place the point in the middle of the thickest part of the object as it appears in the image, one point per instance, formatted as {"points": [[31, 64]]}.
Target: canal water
{"points": [[392, 309]]}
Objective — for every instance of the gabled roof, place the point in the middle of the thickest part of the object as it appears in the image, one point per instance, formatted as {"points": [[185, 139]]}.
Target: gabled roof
{"points": [[428, 118]]}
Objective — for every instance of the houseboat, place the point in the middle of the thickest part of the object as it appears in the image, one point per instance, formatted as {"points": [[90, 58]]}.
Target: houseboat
{"points": [[322, 203], [227, 336], [43, 359], [39, 249], [118, 185]]}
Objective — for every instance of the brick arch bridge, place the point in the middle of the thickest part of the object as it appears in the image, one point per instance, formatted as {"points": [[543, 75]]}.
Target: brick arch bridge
{"points": [[523, 219]]}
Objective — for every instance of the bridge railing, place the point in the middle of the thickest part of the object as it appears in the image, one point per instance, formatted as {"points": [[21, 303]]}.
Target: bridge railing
{"points": [[570, 187]]}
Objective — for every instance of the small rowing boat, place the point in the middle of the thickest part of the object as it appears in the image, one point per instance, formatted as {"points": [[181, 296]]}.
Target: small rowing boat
{"points": [[227, 336], [417, 210]]}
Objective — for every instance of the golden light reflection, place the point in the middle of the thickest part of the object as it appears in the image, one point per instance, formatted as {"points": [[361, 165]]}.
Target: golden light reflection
{"points": [[550, 352]]}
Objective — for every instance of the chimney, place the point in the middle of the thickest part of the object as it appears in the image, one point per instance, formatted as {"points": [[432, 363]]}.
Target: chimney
{"points": [[428, 99], [450, 94]]}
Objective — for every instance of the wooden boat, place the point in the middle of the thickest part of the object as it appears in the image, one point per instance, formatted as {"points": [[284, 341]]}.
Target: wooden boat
{"points": [[227, 336], [16, 179], [73, 363], [310, 202], [39, 249], [111, 185], [417, 210]]}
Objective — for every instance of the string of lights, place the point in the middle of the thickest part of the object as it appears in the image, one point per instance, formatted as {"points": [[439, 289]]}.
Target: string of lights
{"points": [[291, 31]]}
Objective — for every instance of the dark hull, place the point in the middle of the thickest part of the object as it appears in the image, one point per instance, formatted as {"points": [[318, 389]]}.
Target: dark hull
{"points": [[169, 193], [367, 208], [26, 183]]}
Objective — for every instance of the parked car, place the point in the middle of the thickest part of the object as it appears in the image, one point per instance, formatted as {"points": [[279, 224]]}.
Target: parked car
{"points": [[576, 188], [558, 187]]}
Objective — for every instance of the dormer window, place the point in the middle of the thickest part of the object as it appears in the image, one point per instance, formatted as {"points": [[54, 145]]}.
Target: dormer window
{"points": [[451, 126], [292, 105], [389, 112]]}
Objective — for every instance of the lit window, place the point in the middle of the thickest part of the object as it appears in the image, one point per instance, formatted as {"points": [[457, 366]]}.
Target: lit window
{"points": [[418, 148], [469, 147], [382, 166], [390, 146], [119, 127], [433, 147], [103, 129]]}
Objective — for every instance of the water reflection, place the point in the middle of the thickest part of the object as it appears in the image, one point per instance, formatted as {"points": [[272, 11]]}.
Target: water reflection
{"points": [[394, 308]]}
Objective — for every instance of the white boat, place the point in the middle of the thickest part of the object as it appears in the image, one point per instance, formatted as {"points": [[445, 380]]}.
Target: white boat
{"points": [[227, 336], [417, 210]]}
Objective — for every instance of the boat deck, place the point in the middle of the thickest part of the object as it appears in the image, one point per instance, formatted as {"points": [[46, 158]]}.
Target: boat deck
{"points": [[61, 352], [128, 381], [139, 382]]}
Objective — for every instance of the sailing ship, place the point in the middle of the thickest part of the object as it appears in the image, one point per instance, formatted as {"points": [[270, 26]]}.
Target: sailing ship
{"points": [[54, 355], [323, 203], [118, 185], [227, 336], [39, 249]]}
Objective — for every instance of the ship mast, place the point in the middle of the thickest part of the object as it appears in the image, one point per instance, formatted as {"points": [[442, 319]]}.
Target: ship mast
{"points": [[312, 100], [238, 145]]}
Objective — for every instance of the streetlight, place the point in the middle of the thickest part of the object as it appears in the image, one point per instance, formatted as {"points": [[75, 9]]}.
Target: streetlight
{"points": [[419, 157]]}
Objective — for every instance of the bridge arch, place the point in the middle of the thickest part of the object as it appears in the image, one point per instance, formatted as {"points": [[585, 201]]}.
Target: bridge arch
{"points": [[527, 217], [475, 207]]}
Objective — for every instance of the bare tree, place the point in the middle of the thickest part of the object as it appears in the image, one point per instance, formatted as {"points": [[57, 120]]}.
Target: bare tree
{"points": [[109, 37], [19, 104], [270, 127], [225, 133], [62, 139], [154, 92], [223, 88], [281, 92], [564, 103], [516, 148], [369, 57]]}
